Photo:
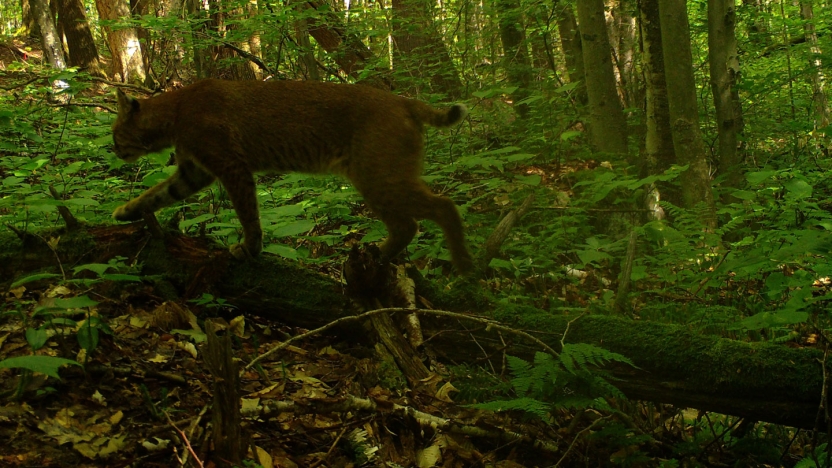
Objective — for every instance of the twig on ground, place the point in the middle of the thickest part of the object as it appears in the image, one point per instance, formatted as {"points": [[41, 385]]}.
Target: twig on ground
{"points": [[490, 324]]}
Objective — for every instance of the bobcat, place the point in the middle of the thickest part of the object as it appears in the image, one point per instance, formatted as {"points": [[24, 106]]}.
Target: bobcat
{"points": [[228, 130]]}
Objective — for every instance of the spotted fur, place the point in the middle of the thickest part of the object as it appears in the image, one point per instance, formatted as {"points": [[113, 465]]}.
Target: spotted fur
{"points": [[229, 130]]}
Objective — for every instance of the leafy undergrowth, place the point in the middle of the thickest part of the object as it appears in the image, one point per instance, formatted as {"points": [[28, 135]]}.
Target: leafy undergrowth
{"points": [[325, 402]]}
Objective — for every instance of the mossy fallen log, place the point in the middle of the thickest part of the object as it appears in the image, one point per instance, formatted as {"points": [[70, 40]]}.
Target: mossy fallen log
{"points": [[677, 365]]}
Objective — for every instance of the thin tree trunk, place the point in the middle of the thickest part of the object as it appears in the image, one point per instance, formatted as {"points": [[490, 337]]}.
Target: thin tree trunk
{"points": [[658, 141], [52, 51], [684, 115], [346, 49], [570, 42], [125, 49], [253, 45], [725, 69], [818, 77], [419, 51], [608, 126], [138, 9], [515, 56], [307, 53], [757, 29], [624, 25], [82, 50], [30, 20]]}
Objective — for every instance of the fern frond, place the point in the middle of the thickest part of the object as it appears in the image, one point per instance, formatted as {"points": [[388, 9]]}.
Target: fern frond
{"points": [[578, 356]]}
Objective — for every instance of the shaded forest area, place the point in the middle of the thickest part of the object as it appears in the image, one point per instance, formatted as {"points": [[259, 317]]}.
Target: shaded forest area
{"points": [[645, 191]]}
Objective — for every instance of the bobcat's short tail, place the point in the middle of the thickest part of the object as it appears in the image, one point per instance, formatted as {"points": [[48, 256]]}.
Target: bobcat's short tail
{"points": [[436, 117]]}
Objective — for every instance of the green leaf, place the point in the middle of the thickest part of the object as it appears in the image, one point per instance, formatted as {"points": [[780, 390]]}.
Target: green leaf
{"points": [[199, 219], [533, 179], [77, 302], [798, 188], [755, 178], [88, 337], [81, 202], [500, 263], [293, 229], [769, 320], [31, 278], [97, 268], [744, 194], [283, 250], [48, 365], [36, 337], [121, 277]]}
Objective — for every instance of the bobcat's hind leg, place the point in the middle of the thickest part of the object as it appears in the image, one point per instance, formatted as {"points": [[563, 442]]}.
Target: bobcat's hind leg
{"points": [[187, 180], [442, 211], [401, 228], [243, 194]]}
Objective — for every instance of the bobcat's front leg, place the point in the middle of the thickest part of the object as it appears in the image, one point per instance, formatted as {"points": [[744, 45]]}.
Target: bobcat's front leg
{"points": [[187, 180], [243, 194]]}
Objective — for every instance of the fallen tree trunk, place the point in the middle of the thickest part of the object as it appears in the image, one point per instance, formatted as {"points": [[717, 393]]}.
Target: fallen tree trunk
{"points": [[759, 381]]}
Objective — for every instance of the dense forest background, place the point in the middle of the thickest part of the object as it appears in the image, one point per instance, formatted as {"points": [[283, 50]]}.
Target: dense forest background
{"points": [[644, 183]]}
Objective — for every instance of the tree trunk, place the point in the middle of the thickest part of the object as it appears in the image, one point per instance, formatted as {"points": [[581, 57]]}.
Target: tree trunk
{"points": [[758, 32], [818, 78], [82, 50], [30, 19], [253, 45], [346, 49], [128, 66], [307, 53], [53, 53], [760, 381], [570, 42], [684, 115], [725, 69], [624, 25], [658, 141], [139, 8], [515, 56], [419, 51], [608, 129]]}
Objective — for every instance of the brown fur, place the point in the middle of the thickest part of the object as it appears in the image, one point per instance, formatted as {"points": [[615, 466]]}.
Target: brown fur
{"points": [[229, 130]]}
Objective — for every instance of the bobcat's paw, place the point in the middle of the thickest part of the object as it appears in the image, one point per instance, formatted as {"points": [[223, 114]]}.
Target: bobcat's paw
{"points": [[123, 213], [239, 252]]}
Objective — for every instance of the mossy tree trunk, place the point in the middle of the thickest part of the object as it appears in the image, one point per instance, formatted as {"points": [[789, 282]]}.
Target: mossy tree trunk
{"points": [[761, 381]]}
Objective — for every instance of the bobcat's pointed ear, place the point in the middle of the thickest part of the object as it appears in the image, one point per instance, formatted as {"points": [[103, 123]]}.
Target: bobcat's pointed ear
{"points": [[126, 104]]}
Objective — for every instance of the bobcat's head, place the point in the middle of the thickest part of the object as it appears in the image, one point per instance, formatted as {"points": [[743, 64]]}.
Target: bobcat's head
{"points": [[130, 140]]}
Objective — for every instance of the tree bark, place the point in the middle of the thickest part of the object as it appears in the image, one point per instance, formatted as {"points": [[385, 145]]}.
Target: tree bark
{"points": [[515, 56], [128, 66], [419, 51], [818, 78], [53, 53], [346, 49], [608, 130], [622, 25], [570, 42], [760, 381], [725, 69], [659, 155], [30, 19], [82, 50], [684, 114]]}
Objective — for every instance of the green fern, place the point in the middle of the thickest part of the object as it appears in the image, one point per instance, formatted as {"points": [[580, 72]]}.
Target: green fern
{"points": [[572, 379], [578, 356]]}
